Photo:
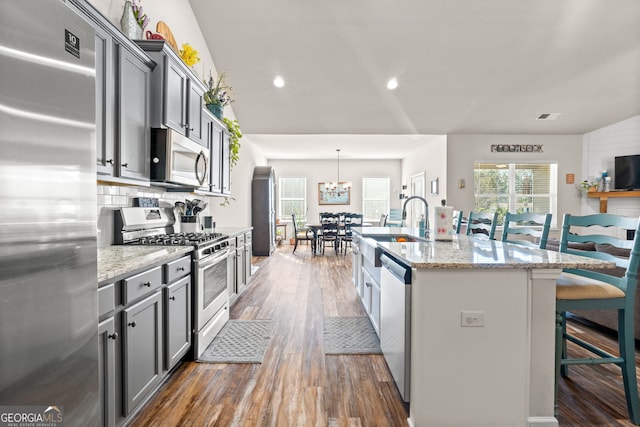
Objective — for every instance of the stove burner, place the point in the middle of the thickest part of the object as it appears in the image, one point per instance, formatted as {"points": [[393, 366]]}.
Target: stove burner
{"points": [[179, 239]]}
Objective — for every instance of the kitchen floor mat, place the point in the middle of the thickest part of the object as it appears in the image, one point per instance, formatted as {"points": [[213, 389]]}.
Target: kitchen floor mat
{"points": [[239, 341], [350, 335]]}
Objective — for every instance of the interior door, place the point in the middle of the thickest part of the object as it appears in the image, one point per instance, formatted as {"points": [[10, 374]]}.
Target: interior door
{"points": [[417, 208]]}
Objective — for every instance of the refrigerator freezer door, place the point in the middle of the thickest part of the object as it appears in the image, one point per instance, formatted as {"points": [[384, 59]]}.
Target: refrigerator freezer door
{"points": [[48, 289]]}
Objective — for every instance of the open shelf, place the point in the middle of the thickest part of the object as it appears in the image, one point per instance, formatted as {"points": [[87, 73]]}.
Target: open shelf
{"points": [[605, 196]]}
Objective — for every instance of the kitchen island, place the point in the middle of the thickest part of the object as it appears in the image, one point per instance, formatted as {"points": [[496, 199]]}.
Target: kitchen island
{"points": [[482, 328]]}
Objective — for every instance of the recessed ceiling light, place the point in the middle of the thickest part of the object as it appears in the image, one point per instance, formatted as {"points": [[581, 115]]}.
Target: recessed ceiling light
{"points": [[278, 82], [392, 83]]}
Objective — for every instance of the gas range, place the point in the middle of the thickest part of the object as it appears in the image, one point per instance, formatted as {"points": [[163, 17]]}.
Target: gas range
{"points": [[155, 226]]}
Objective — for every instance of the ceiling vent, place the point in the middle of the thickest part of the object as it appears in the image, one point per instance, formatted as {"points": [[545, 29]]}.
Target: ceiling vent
{"points": [[548, 116]]}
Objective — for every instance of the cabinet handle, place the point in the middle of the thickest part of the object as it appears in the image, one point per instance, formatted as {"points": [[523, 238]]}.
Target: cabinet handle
{"points": [[125, 165], [113, 336], [110, 161], [147, 284], [367, 284], [132, 324], [172, 298], [180, 269], [191, 129]]}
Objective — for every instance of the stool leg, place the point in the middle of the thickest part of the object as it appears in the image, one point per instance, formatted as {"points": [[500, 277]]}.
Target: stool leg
{"points": [[627, 351]]}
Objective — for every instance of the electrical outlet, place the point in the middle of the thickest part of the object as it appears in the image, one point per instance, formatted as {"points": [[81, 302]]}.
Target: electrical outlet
{"points": [[472, 319]]}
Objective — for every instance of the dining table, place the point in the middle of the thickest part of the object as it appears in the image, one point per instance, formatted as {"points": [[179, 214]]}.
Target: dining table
{"points": [[314, 228]]}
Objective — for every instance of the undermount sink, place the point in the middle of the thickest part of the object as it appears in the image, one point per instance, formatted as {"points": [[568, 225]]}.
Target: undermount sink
{"points": [[400, 238]]}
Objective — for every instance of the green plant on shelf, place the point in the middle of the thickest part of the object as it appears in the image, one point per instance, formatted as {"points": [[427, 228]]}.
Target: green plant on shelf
{"points": [[234, 140]]}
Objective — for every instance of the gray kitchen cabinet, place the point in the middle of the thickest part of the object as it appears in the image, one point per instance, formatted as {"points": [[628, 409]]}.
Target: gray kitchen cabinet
{"points": [[123, 82], [177, 93], [226, 163], [177, 313], [134, 137], [240, 264], [248, 250], [142, 349], [107, 336], [214, 130], [231, 271], [105, 103]]}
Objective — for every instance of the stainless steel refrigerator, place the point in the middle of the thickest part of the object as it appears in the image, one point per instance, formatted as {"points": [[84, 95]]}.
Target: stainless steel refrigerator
{"points": [[48, 258]]}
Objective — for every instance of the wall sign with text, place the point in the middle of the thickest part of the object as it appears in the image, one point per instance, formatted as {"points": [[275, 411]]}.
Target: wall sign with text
{"points": [[516, 148]]}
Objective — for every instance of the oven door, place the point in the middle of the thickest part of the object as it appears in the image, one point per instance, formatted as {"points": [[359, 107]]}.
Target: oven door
{"points": [[211, 287], [177, 160]]}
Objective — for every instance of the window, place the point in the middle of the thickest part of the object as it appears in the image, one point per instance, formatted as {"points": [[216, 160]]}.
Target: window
{"points": [[293, 198], [375, 197], [516, 187]]}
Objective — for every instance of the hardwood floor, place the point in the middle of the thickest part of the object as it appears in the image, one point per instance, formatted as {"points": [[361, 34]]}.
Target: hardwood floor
{"points": [[298, 385]]}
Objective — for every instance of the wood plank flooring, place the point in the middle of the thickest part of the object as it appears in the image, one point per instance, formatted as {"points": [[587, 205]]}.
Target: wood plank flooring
{"points": [[297, 385]]}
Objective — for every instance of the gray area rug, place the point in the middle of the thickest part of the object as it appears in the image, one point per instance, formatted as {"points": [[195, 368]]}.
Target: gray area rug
{"points": [[239, 341], [350, 335]]}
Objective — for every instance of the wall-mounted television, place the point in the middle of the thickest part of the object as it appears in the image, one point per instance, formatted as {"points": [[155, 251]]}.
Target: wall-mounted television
{"points": [[627, 172]]}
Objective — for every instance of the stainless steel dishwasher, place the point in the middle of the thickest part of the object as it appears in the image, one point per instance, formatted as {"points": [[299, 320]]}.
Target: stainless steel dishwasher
{"points": [[395, 321]]}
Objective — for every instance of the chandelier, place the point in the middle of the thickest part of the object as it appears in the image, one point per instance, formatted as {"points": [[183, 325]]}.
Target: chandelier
{"points": [[338, 188]]}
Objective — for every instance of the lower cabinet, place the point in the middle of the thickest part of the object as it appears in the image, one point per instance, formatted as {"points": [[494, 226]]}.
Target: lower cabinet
{"points": [[370, 296], [107, 337], [248, 250], [178, 321], [144, 331], [142, 349]]}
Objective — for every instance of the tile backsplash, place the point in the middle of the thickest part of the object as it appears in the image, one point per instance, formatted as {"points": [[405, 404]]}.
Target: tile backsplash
{"points": [[113, 197]]}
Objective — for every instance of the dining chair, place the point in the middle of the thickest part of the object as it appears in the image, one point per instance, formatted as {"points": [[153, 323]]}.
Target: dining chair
{"points": [[585, 289], [330, 231], [459, 218], [302, 235], [383, 221], [480, 223], [346, 238], [527, 229]]}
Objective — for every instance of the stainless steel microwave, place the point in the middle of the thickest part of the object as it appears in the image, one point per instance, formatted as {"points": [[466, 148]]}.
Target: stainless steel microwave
{"points": [[176, 161]]}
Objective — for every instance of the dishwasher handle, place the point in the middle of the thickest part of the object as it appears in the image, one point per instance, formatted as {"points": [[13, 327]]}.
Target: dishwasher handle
{"points": [[398, 269]]}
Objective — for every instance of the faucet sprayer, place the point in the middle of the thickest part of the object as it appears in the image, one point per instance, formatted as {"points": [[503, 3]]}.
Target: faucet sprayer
{"points": [[426, 210]]}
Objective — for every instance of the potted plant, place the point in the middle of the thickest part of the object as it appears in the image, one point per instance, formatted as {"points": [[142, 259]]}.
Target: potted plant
{"points": [[218, 95], [234, 140]]}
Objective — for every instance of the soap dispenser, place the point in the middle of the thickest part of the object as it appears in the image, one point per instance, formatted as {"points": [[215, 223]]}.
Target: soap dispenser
{"points": [[421, 225]]}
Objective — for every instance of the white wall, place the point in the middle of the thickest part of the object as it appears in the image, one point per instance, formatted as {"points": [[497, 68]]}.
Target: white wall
{"points": [[431, 159], [464, 150], [599, 149], [350, 170]]}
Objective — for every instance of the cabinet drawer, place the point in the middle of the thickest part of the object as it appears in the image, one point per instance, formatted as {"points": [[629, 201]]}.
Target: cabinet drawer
{"points": [[141, 284], [247, 238], [106, 300], [240, 240], [177, 269]]}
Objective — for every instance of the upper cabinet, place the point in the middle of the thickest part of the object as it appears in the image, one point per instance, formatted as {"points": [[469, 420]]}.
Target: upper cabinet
{"points": [[177, 93], [123, 85]]}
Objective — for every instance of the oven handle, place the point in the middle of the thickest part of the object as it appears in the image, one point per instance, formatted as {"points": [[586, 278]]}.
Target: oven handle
{"points": [[204, 174], [212, 259]]}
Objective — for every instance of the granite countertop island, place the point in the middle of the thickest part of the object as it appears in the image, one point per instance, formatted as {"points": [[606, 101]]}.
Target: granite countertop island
{"points": [[118, 261], [498, 372], [464, 252]]}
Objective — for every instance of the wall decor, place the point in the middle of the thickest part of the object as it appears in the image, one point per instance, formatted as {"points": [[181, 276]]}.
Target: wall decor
{"points": [[327, 196], [517, 148]]}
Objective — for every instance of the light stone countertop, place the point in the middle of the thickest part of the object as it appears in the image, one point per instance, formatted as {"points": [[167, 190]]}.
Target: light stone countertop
{"points": [[115, 262], [465, 252]]}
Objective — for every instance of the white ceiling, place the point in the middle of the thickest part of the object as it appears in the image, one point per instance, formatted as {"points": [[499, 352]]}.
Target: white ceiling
{"points": [[464, 66]]}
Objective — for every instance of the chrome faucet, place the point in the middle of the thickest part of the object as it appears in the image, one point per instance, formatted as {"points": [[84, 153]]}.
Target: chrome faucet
{"points": [[426, 210]]}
